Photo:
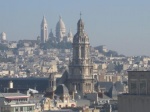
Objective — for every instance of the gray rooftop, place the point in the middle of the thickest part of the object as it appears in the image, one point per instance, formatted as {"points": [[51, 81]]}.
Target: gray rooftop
{"points": [[11, 94]]}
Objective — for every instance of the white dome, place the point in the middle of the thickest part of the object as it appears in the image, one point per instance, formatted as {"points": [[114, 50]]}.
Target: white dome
{"points": [[3, 36], [60, 26], [60, 29]]}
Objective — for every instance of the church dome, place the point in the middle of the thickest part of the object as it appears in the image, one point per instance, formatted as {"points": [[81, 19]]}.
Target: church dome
{"points": [[61, 90], [80, 36], [80, 22], [51, 34], [80, 25], [3, 36], [60, 26]]}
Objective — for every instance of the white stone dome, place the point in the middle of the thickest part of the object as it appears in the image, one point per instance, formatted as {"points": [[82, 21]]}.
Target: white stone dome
{"points": [[3, 36], [60, 26]]}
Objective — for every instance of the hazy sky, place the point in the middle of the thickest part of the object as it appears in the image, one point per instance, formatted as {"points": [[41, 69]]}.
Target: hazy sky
{"points": [[121, 25]]}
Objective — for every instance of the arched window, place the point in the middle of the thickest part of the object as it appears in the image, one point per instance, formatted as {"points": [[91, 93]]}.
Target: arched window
{"points": [[82, 52]]}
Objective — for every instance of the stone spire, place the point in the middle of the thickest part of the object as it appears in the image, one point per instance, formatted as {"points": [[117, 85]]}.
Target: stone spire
{"points": [[80, 26], [44, 20], [44, 30]]}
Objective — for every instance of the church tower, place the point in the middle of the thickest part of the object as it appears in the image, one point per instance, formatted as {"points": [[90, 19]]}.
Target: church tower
{"points": [[44, 31], [81, 66]]}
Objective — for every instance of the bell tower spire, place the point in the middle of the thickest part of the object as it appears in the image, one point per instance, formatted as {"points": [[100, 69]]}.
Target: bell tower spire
{"points": [[44, 30], [80, 25]]}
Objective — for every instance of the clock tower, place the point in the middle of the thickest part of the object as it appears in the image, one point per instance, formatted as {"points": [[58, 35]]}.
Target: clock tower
{"points": [[81, 67]]}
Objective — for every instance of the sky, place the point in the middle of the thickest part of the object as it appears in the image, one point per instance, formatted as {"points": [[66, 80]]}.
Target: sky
{"points": [[121, 25]]}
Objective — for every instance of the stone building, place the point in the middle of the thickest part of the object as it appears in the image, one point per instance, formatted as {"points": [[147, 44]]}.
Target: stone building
{"points": [[3, 37], [15, 102], [59, 98], [78, 80], [80, 70], [138, 98]]}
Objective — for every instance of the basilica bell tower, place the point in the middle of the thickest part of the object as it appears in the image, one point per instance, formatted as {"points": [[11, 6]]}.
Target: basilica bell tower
{"points": [[44, 30], [81, 67]]}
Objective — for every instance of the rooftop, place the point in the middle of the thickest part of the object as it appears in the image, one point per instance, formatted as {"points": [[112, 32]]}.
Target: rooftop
{"points": [[13, 95]]}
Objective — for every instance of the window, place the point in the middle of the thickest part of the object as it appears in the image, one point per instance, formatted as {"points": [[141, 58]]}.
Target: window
{"points": [[16, 109], [2, 109], [21, 108], [143, 87], [133, 88], [76, 52], [82, 39], [30, 108], [82, 52], [52, 83], [25, 108]]}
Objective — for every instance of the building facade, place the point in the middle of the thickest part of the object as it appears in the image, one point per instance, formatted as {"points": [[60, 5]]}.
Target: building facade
{"points": [[15, 102], [138, 98]]}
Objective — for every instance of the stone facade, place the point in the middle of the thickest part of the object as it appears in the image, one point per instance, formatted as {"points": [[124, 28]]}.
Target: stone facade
{"points": [[133, 103], [139, 83], [138, 98]]}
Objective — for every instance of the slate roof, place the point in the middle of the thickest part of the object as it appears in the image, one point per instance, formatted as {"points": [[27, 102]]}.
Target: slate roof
{"points": [[108, 85], [113, 92], [83, 102], [61, 90]]}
